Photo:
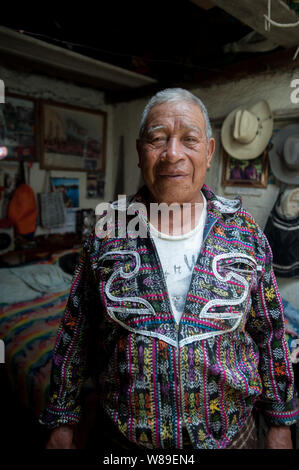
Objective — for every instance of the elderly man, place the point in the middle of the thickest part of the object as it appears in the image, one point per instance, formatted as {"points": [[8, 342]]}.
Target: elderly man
{"points": [[182, 327]]}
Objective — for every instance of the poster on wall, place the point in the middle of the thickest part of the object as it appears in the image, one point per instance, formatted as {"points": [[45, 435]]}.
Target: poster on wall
{"points": [[69, 187], [72, 138], [17, 128], [95, 185]]}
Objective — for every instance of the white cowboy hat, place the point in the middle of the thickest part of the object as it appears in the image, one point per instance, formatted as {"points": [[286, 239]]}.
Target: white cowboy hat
{"points": [[284, 155], [289, 204], [245, 133]]}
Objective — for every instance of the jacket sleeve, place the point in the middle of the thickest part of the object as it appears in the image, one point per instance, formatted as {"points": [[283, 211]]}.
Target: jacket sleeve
{"points": [[71, 364], [266, 325]]}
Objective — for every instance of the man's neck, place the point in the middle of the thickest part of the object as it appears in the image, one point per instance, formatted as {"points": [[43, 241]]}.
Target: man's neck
{"points": [[175, 219]]}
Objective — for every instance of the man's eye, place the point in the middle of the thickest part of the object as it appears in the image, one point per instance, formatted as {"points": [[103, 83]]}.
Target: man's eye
{"points": [[190, 139], [159, 140]]}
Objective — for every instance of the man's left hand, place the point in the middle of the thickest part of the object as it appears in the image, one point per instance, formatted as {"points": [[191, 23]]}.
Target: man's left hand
{"points": [[278, 437]]}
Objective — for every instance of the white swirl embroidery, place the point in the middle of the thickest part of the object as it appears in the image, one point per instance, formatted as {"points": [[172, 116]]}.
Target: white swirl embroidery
{"points": [[232, 274], [147, 311], [120, 272]]}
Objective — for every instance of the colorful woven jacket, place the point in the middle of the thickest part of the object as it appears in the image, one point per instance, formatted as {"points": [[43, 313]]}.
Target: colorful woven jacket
{"points": [[227, 355]]}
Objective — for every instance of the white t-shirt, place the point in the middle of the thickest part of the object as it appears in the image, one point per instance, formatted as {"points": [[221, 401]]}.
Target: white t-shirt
{"points": [[178, 255]]}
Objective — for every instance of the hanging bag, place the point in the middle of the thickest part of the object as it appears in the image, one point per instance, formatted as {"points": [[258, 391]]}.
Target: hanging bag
{"points": [[52, 210], [22, 208]]}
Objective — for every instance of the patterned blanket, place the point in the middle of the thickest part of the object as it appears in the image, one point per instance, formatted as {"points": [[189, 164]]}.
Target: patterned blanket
{"points": [[29, 331]]}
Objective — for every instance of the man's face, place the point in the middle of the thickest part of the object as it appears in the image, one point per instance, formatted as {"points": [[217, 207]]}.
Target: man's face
{"points": [[174, 154]]}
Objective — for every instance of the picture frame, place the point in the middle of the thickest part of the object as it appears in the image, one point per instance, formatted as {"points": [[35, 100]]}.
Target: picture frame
{"points": [[18, 136], [69, 187], [72, 138], [245, 173], [95, 185]]}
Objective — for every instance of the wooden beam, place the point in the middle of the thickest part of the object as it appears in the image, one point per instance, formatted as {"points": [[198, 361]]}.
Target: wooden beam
{"points": [[39, 54], [251, 12], [204, 4], [21, 64]]}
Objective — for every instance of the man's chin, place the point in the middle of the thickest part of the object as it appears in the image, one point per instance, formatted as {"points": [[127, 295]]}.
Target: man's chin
{"points": [[176, 196]]}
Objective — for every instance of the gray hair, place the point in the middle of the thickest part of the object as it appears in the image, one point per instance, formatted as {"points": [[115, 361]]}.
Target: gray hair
{"points": [[174, 95]]}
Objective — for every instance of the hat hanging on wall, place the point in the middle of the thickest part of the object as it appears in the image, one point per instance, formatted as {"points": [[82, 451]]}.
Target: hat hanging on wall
{"points": [[245, 133], [289, 204], [284, 155]]}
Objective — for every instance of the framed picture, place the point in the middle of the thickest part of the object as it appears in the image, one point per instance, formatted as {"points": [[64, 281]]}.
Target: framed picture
{"points": [[18, 128], [72, 138], [95, 185], [246, 173], [69, 187]]}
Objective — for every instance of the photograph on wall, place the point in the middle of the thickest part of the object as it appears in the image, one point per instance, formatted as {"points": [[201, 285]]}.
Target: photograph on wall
{"points": [[69, 187], [72, 138], [250, 173], [95, 185], [17, 128]]}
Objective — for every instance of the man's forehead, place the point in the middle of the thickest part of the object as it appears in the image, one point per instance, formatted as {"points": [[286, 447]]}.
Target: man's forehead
{"points": [[181, 115]]}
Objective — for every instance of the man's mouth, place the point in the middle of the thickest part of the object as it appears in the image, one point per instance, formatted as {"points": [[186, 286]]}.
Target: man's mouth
{"points": [[173, 175]]}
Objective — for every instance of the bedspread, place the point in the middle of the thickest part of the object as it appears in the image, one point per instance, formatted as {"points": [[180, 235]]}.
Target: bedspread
{"points": [[29, 331]]}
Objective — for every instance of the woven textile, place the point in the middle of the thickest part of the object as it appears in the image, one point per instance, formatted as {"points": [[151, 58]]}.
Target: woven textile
{"points": [[294, 5], [29, 330], [227, 355], [245, 439]]}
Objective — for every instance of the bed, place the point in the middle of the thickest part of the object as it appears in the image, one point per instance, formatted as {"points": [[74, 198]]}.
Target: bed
{"points": [[28, 328]]}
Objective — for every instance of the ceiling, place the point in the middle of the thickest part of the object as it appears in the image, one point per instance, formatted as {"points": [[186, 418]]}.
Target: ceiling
{"points": [[173, 41]]}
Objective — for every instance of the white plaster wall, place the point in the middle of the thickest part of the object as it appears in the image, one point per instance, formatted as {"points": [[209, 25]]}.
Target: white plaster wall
{"points": [[220, 100], [126, 123], [43, 87]]}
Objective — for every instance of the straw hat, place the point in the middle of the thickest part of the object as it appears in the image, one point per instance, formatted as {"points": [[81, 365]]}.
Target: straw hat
{"points": [[245, 133], [289, 204], [284, 155]]}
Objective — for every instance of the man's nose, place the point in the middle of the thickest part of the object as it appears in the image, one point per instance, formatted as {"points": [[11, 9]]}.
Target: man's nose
{"points": [[174, 149]]}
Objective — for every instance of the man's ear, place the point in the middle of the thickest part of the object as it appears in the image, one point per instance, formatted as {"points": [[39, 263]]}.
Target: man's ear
{"points": [[211, 150]]}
